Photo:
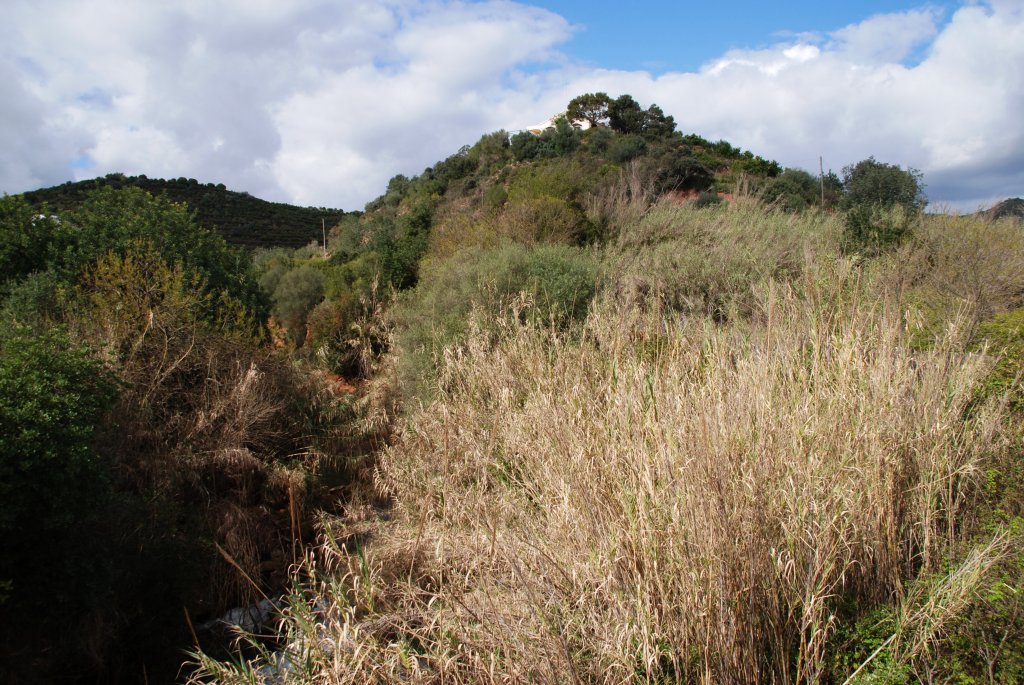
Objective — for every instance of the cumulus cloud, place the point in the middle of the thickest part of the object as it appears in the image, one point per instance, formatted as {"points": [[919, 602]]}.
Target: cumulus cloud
{"points": [[321, 101], [952, 112]]}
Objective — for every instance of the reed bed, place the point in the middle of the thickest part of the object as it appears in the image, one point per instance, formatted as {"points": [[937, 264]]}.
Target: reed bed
{"points": [[667, 494]]}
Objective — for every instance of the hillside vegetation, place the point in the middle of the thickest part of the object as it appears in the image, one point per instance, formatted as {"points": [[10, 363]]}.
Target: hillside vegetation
{"points": [[239, 218], [630, 407]]}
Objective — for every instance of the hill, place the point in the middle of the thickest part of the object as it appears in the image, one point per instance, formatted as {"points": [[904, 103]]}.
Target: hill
{"points": [[1013, 207], [237, 216]]}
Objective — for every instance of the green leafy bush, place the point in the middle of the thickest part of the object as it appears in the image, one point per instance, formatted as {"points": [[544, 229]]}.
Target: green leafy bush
{"points": [[297, 292], [54, 487], [27, 240], [1004, 333], [627, 147], [560, 280], [873, 229], [793, 190], [874, 183]]}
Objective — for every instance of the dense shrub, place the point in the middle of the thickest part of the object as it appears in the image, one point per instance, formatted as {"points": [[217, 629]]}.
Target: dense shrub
{"points": [[120, 221], [872, 229], [793, 190], [27, 241], [872, 183], [297, 292], [559, 280], [881, 202], [55, 498], [625, 148]]}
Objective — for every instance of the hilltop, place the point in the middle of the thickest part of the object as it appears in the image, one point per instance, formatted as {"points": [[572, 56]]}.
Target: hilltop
{"points": [[1013, 207], [238, 217]]}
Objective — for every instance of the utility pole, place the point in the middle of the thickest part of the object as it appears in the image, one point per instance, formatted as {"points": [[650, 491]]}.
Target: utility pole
{"points": [[323, 230]]}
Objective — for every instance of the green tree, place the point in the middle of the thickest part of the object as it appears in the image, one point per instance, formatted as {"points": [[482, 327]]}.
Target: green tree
{"points": [[626, 147], [876, 184], [882, 202], [296, 294], [525, 146], [26, 240], [592, 107], [625, 115], [564, 139], [793, 190], [53, 485], [119, 221]]}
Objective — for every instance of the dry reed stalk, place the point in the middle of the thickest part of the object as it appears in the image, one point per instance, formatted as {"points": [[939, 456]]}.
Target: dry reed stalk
{"points": [[706, 507]]}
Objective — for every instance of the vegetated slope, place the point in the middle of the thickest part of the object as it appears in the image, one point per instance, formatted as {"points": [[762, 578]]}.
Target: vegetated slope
{"points": [[1013, 207], [155, 453], [239, 218], [649, 436], [563, 188]]}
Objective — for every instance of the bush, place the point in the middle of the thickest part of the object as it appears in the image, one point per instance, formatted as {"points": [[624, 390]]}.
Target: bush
{"points": [[27, 240], [793, 190], [869, 183], [872, 230], [560, 280], [54, 489], [626, 147], [120, 221], [297, 292], [544, 219], [679, 170]]}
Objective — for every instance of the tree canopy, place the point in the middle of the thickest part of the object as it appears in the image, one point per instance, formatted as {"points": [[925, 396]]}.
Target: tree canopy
{"points": [[873, 183], [592, 107]]}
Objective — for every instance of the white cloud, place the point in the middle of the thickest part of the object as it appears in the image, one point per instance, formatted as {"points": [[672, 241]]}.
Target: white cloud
{"points": [[321, 101], [954, 113]]}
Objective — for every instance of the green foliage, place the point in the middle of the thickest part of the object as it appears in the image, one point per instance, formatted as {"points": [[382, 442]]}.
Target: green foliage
{"points": [[491, 151], [626, 147], [626, 116], [400, 256], [881, 202], [564, 139], [869, 183], [120, 220], [873, 229], [1004, 333], [707, 199], [494, 197], [793, 190], [27, 240], [525, 146], [297, 292], [749, 163], [592, 107], [598, 140], [560, 141], [239, 218], [560, 280], [35, 301], [567, 179], [679, 170], [52, 483]]}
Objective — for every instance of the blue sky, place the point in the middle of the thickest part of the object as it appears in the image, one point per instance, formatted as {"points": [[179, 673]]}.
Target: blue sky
{"points": [[320, 102], [682, 36]]}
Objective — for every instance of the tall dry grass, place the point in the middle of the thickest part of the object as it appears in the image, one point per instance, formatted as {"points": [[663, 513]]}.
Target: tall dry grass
{"points": [[668, 494], [708, 260], [696, 508]]}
